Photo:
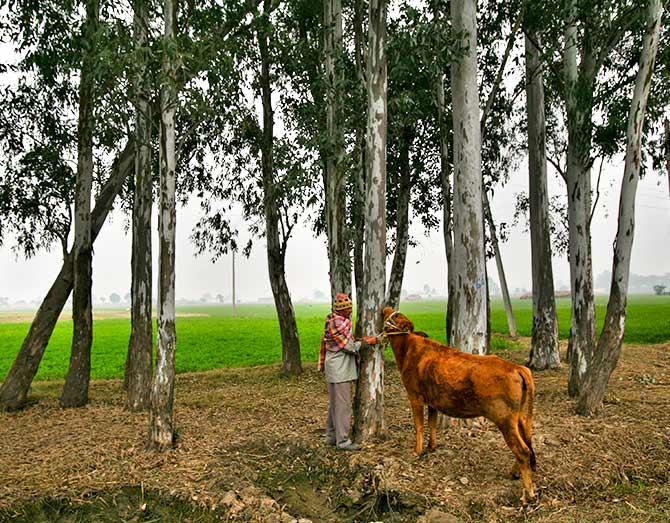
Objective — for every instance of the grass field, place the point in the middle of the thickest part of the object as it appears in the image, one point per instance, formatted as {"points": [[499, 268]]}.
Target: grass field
{"points": [[209, 337]]}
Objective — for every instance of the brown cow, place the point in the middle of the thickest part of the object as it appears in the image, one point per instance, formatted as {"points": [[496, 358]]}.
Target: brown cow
{"points": [[464, 386]]}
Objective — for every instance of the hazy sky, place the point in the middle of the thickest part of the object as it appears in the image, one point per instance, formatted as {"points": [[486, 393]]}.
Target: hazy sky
{"points": [[307, 266]]}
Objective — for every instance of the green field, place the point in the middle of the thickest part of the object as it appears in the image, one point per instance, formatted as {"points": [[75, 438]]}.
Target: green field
{"points": [[210, 337]]}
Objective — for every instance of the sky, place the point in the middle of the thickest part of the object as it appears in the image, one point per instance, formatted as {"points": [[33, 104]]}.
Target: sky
{"points": [[307, 265]]}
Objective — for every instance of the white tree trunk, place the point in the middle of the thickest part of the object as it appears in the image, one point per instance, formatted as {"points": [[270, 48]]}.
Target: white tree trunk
{"points": [[336, 203], [609, 344], [139, 359], [468, 327], [75, 390], [161, 422], [369, 403], [579, 107], [544, 352]]}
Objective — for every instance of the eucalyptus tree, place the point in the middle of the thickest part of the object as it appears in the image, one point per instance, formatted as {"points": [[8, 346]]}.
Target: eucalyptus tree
{"points": [[335, 176], [161, 422], [138, 369], [608, 351], [272, 176], [469, 323], [544, 352], [369, 400], [38, 130], [75, 390]]}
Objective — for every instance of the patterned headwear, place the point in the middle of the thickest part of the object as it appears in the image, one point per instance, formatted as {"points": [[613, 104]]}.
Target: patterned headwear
{"points": [[342, 301]]}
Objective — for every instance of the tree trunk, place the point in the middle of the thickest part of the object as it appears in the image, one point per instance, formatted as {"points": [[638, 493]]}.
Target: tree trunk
{"points": [[402, 221], [75, 390], [336, 203], [139, 359], [511, 322], [359, 231], [276, 248], [544, 352], [579, 107], [468, 328], [359, 197], [369, 401], [161, 422], [445, 178], [14, 390], [609, 345]]}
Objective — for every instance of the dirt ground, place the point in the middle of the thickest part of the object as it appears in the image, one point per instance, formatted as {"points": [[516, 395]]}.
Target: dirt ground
{"points": [[250, 447]]}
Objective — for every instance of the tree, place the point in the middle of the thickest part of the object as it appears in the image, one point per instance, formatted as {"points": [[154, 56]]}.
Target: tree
{"points": [[469, 323], [138, 370], [114, 298], [544, 345], [334, 173], [276, 252], [369, 400], [607, 354], [161, 422], [14, 390], [75, 390]]}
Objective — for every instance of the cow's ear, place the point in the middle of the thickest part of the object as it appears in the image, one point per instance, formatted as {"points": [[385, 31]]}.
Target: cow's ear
{"points": [[387, 312]]}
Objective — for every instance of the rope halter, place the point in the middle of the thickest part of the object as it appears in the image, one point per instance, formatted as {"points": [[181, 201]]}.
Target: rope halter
{"points": [[391, 328]]}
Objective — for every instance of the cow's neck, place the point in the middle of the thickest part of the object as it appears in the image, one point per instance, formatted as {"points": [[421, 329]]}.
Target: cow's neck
{"points": [[399, 344]]}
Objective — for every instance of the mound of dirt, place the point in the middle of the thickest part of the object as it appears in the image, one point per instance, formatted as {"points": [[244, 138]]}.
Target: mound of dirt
{"points": [[250, 447]]}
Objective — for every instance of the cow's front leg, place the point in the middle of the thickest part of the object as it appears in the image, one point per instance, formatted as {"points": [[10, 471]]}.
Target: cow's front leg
{"points": [[417, 414]]}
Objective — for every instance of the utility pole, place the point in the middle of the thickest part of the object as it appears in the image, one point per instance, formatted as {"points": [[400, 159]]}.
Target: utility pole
{"points": [[234, 302], [667, 149]]}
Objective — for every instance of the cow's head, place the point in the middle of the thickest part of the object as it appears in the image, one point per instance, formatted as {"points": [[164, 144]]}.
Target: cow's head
{"points": [[394, 321]]}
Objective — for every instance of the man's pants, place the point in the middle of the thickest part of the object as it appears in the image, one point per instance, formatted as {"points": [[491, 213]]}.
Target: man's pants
{"points": [[339, 411]]}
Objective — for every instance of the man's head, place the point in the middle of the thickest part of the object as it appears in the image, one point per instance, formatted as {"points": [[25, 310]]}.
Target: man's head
{"points": [[342, 305]]}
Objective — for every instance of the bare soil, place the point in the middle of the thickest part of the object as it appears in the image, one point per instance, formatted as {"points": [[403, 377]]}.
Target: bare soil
{"points": [[250, 447]]}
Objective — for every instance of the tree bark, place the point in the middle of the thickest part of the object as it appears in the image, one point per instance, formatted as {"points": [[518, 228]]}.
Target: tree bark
{"points": [[369, 401], [336, 203], [14, 390], [359, 196], [579, 108], [75, 390], [139, 360], [468, 328], [544, 352], [161, 421], [609, 344], [276, 249], [511, 322], [359, 231], [402, 221]]}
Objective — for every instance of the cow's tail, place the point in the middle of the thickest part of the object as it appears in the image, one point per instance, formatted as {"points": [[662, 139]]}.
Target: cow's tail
{"points": [[526, 417]]}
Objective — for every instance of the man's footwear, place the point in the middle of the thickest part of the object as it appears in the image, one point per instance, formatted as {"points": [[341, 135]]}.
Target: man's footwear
{"points": [[348, 445], [330, 440]]}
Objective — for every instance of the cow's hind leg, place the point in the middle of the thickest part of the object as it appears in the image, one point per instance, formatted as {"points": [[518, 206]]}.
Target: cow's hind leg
{"points": [[432, 425], [417, 415], [522, 453]]}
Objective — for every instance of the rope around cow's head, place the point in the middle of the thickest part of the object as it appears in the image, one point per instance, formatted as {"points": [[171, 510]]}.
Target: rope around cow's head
{"points": [[391, 329]]}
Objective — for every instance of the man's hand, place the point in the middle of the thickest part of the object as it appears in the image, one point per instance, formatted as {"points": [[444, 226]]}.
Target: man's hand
{"points": [[370, 340]]}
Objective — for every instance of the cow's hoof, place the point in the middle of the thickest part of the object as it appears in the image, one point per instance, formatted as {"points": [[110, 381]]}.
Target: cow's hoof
{"points": [[514, 472]]}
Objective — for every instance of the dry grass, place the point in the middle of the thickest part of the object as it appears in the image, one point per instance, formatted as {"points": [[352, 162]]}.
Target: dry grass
{"points": [[249, 427]]}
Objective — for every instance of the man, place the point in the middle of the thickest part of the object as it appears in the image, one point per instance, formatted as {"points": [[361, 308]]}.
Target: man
{"points": [[338, 361]]}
